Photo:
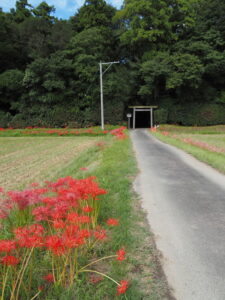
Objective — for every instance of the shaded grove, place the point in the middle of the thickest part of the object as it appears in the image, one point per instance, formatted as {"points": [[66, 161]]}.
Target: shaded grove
{"points": [[175, 53]]}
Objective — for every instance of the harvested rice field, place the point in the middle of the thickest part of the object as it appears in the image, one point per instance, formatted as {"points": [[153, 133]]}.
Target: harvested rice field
{"points": [[24, 160]]}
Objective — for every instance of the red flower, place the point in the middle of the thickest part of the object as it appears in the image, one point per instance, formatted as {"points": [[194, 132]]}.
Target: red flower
{"points": [[121, 289], [73, 217], [71, 229], [30, 236], [3, 214], [10, 260], [7, 245], [49, 278], [41, 213], [55, 244], [100, 234], [112, 222], [84, 233], [84, 219], [58, 224], [83, 169], [87, 209], [121, 254]]}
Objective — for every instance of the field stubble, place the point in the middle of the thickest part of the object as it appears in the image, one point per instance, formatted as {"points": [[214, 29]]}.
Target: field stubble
{"points": [[27, 160]]}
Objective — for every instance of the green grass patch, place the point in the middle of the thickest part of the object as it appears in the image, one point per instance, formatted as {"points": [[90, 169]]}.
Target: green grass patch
{"points": [[212, 158], [115, 169], [218, 129]]}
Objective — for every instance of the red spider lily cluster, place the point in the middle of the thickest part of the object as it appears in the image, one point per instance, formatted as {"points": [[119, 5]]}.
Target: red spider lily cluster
{"points": [[192, 142], [33, 131], [203, 145], [54, 228], [119, 133]]}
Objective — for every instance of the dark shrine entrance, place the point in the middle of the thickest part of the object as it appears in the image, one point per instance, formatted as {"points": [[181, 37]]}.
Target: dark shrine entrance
{"points": [[142, 116]]}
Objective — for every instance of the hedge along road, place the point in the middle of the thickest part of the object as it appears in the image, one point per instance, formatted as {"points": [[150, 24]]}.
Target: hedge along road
{"points": [[185, 203]]}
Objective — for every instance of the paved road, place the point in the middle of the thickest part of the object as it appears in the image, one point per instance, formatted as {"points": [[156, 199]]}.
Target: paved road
{"points": [[185, 201]]}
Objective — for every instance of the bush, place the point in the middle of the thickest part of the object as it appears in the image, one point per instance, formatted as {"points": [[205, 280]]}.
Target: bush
{"points": [[18, 121], [161, 116], [199, 115], [5, 119]]}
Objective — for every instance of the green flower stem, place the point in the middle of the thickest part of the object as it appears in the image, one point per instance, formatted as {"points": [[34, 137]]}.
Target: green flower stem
{"points": [[102, 274], [106, 257]]}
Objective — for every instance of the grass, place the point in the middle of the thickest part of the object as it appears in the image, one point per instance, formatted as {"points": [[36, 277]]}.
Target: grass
{"points": [[113, 163], [219, 129], [207, 144]]}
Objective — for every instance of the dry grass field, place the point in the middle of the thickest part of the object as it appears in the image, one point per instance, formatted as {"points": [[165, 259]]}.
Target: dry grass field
{"points": [[24, 160]]}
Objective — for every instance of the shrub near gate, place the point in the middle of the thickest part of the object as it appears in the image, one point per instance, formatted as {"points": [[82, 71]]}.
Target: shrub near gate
{"points": [[51, 237]]}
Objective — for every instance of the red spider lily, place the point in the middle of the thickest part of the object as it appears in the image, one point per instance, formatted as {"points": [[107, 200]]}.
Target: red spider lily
{"points": [[7, 245], [165, 133], [73, 242], [73, 218], [50, 201], [121, 289], [82, 189], [71, 229], [112, 222], [49, 278], [1, 190], [84, 219], [83, 169], [87, 209], [60, 211], [41, 213], [30, 236], [119, 133], [84, 233], [100, 234], [153, 129], [59, 224], [3, 214], [25, 198], [10, 260], [121, 254], [55, 244]]}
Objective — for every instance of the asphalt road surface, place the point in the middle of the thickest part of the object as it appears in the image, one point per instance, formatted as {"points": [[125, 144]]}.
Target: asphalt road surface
{"points": [[185, 203]]}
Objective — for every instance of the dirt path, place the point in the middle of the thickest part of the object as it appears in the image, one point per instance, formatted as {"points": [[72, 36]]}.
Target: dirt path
{"points": [[185, 201]]}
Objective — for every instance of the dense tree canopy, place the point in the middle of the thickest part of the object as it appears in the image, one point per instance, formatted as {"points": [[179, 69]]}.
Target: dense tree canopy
{"points": [[175, 53]]}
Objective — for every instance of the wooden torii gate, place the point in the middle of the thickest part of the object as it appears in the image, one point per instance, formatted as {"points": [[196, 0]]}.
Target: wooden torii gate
{"points": [[143, 108]]}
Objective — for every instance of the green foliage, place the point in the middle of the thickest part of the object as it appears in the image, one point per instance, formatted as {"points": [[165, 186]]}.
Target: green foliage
{"points": [[94, 13], [161, 116], [175, 48], [5, 119], [186, 69], [10, 87]]}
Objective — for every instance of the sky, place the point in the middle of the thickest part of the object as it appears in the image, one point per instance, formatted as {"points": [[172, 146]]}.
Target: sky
{"points": [[64, 8]]}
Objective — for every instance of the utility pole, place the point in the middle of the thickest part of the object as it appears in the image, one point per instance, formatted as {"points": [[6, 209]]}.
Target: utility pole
{"points": [[101, 85]]}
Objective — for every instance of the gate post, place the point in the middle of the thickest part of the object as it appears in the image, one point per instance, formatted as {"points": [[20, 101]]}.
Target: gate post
{"points": [[134, 115]]}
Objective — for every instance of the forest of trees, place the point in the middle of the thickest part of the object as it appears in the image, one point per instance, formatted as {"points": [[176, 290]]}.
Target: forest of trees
{"points": [[175, 53]]}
